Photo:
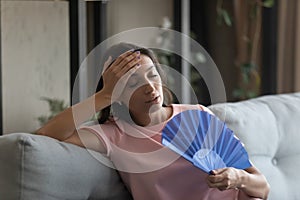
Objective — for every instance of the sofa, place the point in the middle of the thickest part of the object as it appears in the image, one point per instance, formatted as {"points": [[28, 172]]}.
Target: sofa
{"points": [[36, 167]]}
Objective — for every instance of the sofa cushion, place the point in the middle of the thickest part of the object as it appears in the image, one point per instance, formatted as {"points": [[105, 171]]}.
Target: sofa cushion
{"points": [[38, 167], [269, 126]]}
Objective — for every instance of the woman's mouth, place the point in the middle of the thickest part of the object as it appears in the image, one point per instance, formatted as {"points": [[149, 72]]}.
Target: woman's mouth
{"points": [[154, 100]]}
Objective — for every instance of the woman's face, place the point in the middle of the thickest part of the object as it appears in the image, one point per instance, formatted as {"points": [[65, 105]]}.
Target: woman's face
{"points": [[143, 92]]}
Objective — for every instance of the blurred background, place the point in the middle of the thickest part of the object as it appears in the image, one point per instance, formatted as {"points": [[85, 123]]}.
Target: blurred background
{"points": [[254, 43]]}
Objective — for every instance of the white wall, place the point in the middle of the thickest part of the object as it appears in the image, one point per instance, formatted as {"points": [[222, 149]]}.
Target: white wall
{"points": [[35, 60], [129, 14]]}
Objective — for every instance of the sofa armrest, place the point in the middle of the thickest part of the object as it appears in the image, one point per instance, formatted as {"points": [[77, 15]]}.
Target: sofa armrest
{"points": [[39, 167]]}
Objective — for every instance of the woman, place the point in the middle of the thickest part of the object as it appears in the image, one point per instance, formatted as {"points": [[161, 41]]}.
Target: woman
{"points": [[133, 105]]}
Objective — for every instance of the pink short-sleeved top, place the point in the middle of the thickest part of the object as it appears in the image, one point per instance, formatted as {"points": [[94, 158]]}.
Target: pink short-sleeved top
{"points": [[151, 171]]}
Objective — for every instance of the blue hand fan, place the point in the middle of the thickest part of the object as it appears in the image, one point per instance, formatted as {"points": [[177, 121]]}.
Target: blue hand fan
{"points": [[204, 140]]}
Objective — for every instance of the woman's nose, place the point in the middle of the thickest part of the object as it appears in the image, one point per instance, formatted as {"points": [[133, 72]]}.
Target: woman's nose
{"points": [[149, 87]]}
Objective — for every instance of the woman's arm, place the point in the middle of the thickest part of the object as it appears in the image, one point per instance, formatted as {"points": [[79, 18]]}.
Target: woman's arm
{"points": [[86, 139], [63, 126], [250, 181]]}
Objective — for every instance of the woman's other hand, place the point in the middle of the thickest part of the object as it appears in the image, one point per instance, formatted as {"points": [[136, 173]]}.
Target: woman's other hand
{"points": [[224, 179], [250, 181]]}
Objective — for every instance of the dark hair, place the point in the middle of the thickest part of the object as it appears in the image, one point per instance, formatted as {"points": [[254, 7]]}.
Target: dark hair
{"points": [[121, 111]]}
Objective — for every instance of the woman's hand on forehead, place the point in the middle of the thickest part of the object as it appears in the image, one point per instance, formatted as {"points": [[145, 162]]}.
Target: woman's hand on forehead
{"points": [[116, 73]]}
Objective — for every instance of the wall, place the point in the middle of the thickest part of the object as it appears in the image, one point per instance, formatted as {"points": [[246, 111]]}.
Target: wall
{"points": [[130, 14], [35, 60]]}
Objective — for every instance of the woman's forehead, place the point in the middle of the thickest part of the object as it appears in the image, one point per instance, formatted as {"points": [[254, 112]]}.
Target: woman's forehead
{"points": [[146, 65], [146, 60]]}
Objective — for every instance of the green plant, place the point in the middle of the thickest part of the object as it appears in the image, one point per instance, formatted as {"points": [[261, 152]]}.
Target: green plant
{"points": [[247, 22], [55, 106]]}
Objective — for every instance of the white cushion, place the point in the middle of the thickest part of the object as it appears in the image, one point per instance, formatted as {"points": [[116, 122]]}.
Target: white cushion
{"points": [[269, 126], [35, 167]]}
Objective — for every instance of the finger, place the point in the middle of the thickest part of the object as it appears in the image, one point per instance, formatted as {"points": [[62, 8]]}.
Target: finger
{"points": [[218, 171], [122, 62], [128, 59], [222, 188], [106, 64], [212, 172], [224, 185], [123, 56], [131, 65], [215, 178]]}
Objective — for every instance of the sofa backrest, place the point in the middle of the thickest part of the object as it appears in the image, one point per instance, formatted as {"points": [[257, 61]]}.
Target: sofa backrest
{"points": [[269, 127], [36, 167]]}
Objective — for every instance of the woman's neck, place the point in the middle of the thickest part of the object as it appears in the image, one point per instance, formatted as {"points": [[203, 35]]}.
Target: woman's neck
{"points": [[152, 118]]}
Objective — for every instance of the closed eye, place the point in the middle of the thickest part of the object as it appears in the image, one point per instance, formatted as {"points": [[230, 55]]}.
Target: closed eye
{"points": [[133, 84], [133, 81], [153, 75]]}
